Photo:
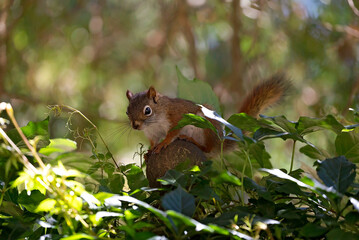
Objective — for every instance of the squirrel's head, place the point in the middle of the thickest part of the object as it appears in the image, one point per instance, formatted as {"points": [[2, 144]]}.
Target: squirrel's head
{"points": [[141, 110]]}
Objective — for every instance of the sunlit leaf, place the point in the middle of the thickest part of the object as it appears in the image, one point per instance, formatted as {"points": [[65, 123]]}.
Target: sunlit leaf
{"points": [[78, 236], [215, 116], [46, 205], [58, 146], [227, 177]]}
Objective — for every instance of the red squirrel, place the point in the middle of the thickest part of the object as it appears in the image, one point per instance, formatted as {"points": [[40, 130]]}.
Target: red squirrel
{"points": [[156, 115]]}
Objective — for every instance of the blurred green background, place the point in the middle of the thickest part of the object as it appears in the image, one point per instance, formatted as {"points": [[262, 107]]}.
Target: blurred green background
{"points": [[86, 54]]}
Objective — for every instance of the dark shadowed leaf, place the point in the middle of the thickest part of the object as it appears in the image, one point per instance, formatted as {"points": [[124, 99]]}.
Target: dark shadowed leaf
{"points": [[251, 185], [337, 172], [180, 201], [174, 177], [313, 230], [337, 233], [259, 153]]}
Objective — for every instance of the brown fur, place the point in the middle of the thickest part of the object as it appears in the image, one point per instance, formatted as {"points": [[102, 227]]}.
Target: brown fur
{"points": [[167, 112], [264, 95]]}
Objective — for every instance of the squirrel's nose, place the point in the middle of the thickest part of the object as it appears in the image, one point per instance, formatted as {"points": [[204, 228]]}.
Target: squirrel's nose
{"points": [[135, 125]]}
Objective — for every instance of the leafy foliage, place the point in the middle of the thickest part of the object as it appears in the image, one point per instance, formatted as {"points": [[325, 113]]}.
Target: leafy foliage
{"points": [[51, 191]]}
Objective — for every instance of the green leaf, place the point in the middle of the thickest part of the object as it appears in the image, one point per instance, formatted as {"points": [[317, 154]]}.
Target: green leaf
{"points": [[180, 201], [213, 115], [116, 183], [347, 144], [204, 191], [251, 185], [181, 220], [227, 177], [283, 122], [46, 205], [31, 130], [337, 172], [32, 200], [308, 125], [116, 201], [195, 120], [313, 152], [338, 233], [136, 178], [196, 91], [244, 122], [58, 146], [259, 153], [266, 133], [174, 177], [78, 236]]}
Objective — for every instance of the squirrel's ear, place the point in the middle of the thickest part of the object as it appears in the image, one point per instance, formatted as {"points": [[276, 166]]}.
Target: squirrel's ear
{"points": [[129, 94], [152, 94]]}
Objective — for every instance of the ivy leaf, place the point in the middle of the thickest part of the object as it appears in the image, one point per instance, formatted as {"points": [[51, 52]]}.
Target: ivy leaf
{"points": [[196, 91], [347, 144], [180, 201], [337, 172]]}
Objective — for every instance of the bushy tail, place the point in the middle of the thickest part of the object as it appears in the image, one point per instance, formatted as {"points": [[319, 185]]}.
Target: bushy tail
{"points": [[265, 95]]}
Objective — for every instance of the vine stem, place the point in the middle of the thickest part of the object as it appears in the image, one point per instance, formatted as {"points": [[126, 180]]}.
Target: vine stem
{"points": [[292, 159], [94, 126]]}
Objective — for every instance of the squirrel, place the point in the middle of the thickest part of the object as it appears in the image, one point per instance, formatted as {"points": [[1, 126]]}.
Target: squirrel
{"points": [[156, 115]]}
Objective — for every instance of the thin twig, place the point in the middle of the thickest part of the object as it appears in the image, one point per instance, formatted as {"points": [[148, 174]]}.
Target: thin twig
{"points": [[10, 113], [93, 125]]}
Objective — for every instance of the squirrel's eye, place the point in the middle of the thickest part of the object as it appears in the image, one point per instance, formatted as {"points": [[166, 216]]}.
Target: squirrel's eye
{"points": [[147, 110]]}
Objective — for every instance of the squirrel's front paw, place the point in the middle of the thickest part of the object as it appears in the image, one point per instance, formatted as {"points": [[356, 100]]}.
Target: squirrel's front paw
{"points": [[159, 147]]}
